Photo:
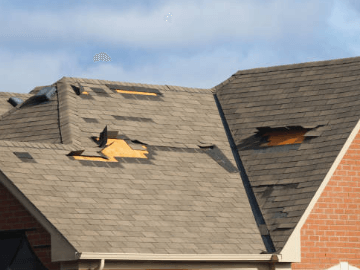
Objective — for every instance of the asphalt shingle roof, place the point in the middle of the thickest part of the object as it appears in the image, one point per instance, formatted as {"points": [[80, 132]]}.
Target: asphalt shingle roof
{"points": [[183, 200], [310, 94], [187, 196], [5, 106], [36, 122]]}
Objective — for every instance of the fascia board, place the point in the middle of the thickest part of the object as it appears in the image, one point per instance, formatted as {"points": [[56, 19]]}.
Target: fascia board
{"points": [[177, 257]]}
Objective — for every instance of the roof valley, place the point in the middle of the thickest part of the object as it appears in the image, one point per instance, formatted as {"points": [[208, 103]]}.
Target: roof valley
{"points": [[258, 216]]}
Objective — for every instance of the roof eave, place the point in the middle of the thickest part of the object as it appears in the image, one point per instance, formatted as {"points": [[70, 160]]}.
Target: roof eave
{"points": [[178, 257]]}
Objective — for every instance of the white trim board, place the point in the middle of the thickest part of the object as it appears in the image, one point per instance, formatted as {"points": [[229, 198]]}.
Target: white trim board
{"points": [[343, 266]]}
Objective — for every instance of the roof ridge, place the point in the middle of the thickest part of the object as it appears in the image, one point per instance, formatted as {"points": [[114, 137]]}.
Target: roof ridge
{"points": [[286, 67], [165, 87], [340, 61], [220, 85], [69, 130]]}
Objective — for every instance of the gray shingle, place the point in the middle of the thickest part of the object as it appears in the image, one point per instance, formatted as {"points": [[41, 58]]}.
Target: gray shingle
{"points": [[307, 94], [182, 192]]}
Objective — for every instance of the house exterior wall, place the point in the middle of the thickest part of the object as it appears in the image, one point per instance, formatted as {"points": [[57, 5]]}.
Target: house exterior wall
{"points": [[13, 216], [331, 233]]}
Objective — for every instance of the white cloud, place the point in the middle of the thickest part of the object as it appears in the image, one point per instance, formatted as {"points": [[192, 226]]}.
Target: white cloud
{"points": [[242, 34], [203, 70], [345, 22], [193, 23], [21, 72]]}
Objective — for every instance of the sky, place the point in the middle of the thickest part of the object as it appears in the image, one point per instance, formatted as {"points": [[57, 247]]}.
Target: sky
{"points": [[189, 43]]}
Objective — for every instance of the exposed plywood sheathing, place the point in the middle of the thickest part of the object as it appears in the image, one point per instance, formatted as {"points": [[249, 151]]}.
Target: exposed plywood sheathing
{"points": [[281, 137], [135, 92], [116, 148]]}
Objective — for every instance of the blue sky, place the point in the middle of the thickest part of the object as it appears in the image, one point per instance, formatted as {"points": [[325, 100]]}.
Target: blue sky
{"points": [[203, 43]]}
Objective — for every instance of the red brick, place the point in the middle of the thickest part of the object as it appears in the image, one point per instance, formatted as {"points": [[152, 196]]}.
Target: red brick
{"points": [[331, 233]]}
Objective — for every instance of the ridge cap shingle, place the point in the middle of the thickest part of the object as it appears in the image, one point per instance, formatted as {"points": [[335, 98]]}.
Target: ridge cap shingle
{"points": [[165, 87], [284, 67], [68, 127], [299, 65]]}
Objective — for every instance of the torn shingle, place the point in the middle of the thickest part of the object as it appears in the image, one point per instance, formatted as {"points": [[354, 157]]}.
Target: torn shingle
{"points": [[90, 120], [15, 101], [133, 89], [131, 118], [100, 92], [46, 93]]}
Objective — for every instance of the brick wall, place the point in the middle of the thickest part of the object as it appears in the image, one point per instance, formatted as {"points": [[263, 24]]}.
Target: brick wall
{"points": [[14, 216], [331, 233]]}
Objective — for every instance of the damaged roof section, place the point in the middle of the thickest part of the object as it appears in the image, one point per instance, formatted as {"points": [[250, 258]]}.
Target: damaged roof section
{"points": [[147, 162], [289, 124], [35, 119], [10, 100], [266, 137]]}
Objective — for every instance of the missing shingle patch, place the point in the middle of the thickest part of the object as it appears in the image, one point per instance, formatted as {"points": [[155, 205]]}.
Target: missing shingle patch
{"points": [[77, 90], [75, 153], [100, 92], [131, 118], [279, 138], [43, 96], [90, 120], [282, 135], [136, 144], [114, 149], [25, 157], [206, 145], [135, 92]]}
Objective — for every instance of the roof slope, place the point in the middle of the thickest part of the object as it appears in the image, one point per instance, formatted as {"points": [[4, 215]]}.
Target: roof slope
{"points": [[181, 199], [33, 122], [5, 106], [285, 179]]}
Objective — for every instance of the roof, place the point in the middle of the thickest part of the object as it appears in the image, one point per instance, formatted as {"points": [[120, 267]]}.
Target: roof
{"points": [[4, 97], [175, 188], [37, 122], [155, 169], [322, 94]]}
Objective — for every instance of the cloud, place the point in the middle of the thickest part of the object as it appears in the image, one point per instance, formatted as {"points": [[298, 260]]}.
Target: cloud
{"points": [[345, 24], [201, 70], [204, 44], [193, 23], [21, 72]]}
